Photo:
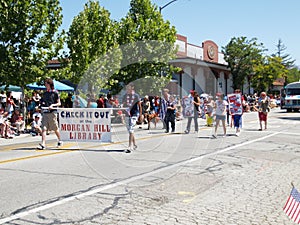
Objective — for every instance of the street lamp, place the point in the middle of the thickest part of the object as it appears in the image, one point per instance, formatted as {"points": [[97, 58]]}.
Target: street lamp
{"points": [[162, 7]]}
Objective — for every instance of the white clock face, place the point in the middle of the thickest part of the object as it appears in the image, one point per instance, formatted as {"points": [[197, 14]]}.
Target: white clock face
{"points": [[211, 52]]}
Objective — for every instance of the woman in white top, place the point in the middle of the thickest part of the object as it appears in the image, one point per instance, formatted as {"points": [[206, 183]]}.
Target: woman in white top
{"points": [[221, 106]]}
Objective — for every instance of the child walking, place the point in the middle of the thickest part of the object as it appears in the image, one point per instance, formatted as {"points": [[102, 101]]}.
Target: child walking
{"points": [[221, 110]]}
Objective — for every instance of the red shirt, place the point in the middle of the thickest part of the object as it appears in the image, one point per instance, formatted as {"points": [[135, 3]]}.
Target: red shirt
{"points": [[100, 103]]}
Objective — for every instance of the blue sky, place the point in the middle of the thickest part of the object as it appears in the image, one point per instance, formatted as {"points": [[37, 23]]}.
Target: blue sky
{"points": [[219, 20]]}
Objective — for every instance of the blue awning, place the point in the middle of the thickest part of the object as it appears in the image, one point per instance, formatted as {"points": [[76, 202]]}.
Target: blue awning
{"points": [[11, 88], [59, 86]]}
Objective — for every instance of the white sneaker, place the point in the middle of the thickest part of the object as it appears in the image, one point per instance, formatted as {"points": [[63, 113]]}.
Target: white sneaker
{"points": [[41, 147], [237, 134], [128, 150]]}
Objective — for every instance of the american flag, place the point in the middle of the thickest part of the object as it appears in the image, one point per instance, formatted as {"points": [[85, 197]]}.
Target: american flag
{"points": [[292, 206]]}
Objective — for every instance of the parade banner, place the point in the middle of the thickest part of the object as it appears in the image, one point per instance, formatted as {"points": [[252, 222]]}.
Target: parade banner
{"points": [[235, 104], [85, 124], [187, 107]]}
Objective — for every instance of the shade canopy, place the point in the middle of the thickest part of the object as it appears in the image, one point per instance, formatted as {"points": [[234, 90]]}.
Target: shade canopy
{"points": [[11, 88], [57, 85]]}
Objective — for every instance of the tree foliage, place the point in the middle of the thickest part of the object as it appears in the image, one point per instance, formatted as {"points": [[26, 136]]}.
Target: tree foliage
{"points": [[91, 35], [292, 75], [242, 55], [287, 60], [141, 56], [267, 72], [28, 39]]}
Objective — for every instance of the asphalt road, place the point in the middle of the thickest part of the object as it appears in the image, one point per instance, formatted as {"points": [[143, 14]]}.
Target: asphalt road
{"points": [[170, 179]]}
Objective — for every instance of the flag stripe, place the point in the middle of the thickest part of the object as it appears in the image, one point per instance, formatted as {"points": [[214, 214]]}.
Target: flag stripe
{"points": [[289, 204], [297, 220], [295, 212], [291, 208], [294, 209]]}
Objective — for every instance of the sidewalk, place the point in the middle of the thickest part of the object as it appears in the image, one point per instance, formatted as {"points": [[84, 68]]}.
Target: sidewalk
{"points": [[24, 138]]}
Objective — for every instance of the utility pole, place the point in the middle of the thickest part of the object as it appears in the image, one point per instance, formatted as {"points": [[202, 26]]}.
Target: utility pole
{"points": [[162, 7]]}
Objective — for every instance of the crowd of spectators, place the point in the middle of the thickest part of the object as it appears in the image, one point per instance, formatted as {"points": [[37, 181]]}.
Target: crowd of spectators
{"points": [[11, 120], [251, 102], [13, 123]]}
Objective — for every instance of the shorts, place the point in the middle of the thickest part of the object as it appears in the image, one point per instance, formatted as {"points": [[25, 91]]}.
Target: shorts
{"points": [[49, 121], [130, 123], [220, 117], [262, 116]]}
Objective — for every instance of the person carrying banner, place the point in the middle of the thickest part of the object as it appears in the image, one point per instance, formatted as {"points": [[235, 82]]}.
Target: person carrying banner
{"points": [[236, 110], [131, 101], [49, 103], [195, 100]]}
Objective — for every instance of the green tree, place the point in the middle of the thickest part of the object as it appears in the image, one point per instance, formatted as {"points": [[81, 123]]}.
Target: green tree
{"points": [[241, 55], [293, 75], [148, 44], [28, 39], [267, 72], [91, 36], [287, 60]]}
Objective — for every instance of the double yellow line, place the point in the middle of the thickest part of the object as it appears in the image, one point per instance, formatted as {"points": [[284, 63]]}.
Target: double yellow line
{"points": [[33, 156], [51, 152]]}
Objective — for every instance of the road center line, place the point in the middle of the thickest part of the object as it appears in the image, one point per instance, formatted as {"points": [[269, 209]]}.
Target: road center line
{"points": [[126, 181], [65, 150]]}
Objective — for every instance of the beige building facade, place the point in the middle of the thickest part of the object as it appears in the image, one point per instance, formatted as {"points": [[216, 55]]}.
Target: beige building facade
{"points": [[203, 69]]}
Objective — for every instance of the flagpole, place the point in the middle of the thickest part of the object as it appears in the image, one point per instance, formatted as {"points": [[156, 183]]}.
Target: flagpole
{"points": [[292, 184]]}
